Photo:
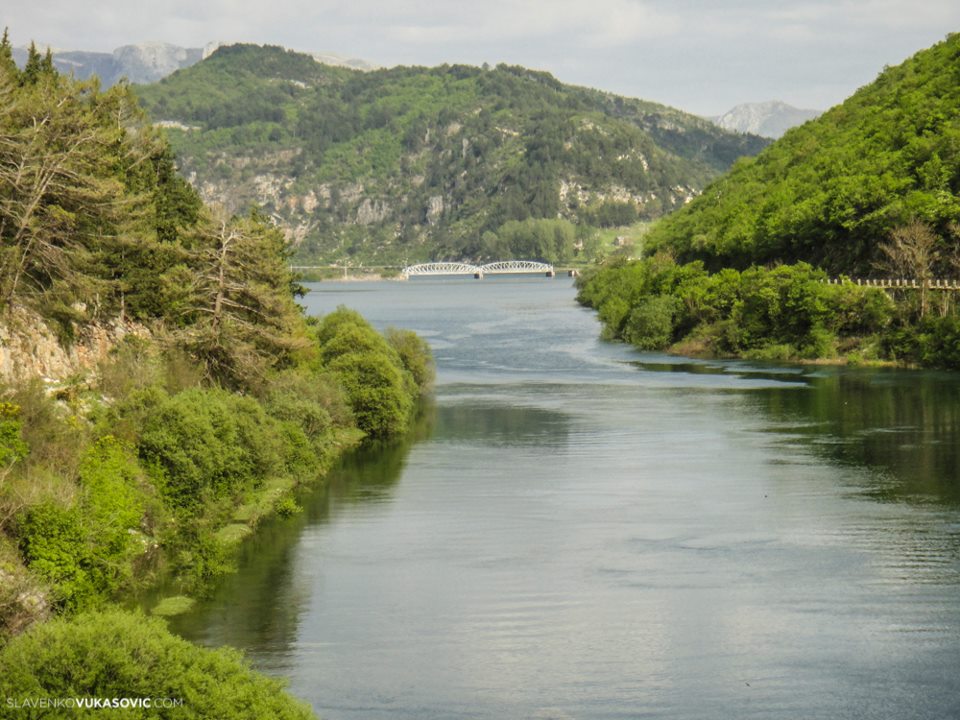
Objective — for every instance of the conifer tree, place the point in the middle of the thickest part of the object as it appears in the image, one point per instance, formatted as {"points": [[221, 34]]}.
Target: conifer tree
{"points": [[33, 68], [46, 65], [235, 299], [7, 65]]}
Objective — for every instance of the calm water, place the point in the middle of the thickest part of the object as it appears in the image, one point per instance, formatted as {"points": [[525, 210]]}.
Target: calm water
{"points": [[578, 530]]}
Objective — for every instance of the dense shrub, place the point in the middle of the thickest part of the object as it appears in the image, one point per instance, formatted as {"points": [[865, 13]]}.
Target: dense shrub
{"points": [[378, 392], [86, 549], [12, 446], [650, 324], [54, 545], [381, 379], [415, 355], [207, 444], [788, 311], [118, 654]]}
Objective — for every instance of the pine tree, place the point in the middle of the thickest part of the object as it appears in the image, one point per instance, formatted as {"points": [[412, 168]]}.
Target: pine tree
{"points": [[46, 65], [236, 300], [7, 65], [60, 201], [33, 68]]}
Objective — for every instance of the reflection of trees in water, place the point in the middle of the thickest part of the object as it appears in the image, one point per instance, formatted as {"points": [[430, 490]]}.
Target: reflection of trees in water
{"points": [[905, 424], [259, 607], [369, 473]]}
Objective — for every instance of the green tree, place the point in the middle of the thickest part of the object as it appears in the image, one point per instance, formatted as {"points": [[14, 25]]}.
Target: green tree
{"points": [[8, 68], [237, 309]]}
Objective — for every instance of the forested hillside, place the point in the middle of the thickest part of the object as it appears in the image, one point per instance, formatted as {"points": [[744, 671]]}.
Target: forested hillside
{"points": [[871, 188], [217, 397], [831, 191], [416, 163]]}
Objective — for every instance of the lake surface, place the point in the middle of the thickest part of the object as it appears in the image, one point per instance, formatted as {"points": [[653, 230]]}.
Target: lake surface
{"points": [[578, 530]]}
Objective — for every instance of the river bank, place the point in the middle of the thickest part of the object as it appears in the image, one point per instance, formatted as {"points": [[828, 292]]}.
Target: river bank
{"points": [[785, 313]]}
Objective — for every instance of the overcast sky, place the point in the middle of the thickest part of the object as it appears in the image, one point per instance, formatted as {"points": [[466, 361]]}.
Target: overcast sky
{"points": [[699, 55]]}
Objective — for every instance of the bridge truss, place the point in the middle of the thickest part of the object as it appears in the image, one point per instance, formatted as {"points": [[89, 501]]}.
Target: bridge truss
{"points": [[502, 267]]}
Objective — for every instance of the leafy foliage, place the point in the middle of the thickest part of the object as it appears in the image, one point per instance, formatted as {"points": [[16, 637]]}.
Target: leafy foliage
{"points": [[831, 191], [382, 377], [87, 549], [12, 446], [785, 312], [118, 654]]}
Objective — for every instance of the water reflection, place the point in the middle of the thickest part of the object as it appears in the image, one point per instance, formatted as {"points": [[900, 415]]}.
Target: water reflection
{"points": [[495, 424], [902, 426], [260, 607]]}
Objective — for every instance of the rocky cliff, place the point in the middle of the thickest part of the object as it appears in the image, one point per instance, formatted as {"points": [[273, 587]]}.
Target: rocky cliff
{"points": [[30, 349]]}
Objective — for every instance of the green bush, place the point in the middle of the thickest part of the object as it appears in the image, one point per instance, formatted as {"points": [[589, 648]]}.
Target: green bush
{"points": [[12, 446], [87, 550], [650, 325], [378, 393], [415, 355], [785, 312], [381, 389], [53, 544], [114, 505], [204, 445], [118, 654]]}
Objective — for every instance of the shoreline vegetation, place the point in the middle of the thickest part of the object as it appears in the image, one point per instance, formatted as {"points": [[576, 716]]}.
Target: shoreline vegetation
{"points": [[159, 459], [786, 313]]}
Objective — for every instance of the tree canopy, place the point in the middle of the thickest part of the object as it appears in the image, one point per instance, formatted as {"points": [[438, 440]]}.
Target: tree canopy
{"points": [[831, 191]]}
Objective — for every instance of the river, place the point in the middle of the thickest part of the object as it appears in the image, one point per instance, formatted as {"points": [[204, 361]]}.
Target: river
{"points": [[578, 530]]}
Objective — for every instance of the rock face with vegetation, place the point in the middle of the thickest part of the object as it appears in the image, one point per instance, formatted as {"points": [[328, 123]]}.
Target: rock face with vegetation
{"points": [[869, 189], [162, 391], [415, 163]]}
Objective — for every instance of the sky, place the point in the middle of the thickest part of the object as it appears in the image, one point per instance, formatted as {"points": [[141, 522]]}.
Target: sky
{"points": [[702, 56]]}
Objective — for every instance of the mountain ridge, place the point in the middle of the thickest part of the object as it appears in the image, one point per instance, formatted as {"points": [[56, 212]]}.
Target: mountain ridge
{"points": [[771, 118], [420, 163]]}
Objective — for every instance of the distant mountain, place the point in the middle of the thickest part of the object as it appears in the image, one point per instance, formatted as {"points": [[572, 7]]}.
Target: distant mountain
{"points": [[142, 63], [413, 162], [150, 61], [767, 119], [831, 191]]}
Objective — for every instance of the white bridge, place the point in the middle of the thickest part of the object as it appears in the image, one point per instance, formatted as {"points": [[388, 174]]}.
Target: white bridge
{"points": [[502, 267]]}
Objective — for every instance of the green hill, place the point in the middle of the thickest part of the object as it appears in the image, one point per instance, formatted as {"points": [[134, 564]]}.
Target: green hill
{"points": [[831, 191], [415, 163]]}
